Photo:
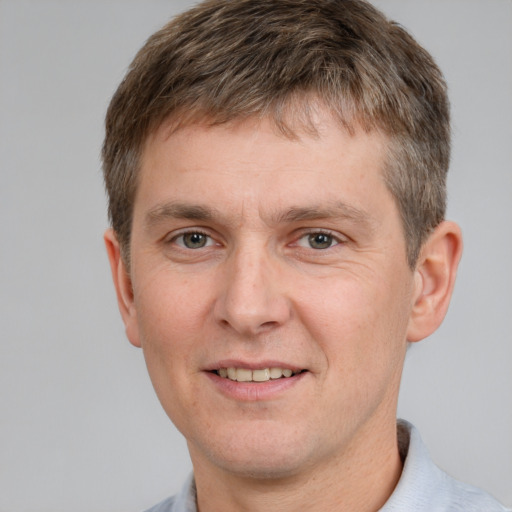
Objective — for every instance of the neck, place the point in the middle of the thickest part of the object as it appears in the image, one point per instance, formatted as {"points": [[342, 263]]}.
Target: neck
{"points": [[362, 479]]}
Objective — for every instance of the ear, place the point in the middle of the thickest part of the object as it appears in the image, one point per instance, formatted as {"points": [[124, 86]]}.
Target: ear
{"points": [[434, 280], [123, 286]]}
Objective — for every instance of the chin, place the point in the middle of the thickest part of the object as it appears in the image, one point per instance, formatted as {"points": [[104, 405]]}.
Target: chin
{"points": [[264, 467], [262, 457]]}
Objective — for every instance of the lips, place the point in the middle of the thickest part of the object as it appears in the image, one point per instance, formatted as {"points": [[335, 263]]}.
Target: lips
{"points": [[247, 382], [256, 375]]}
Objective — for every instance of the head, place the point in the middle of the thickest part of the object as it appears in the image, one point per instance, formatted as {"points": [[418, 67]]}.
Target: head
{"points": [[225, 61], [276, 178]]}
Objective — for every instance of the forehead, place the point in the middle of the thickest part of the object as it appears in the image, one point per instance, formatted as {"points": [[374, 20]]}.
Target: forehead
{"points": [[299, 115], [299, 122], [253, 160]]}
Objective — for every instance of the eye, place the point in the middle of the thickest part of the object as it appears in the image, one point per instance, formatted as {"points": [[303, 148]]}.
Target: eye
{"points": [[193, 240], [318, 241]]}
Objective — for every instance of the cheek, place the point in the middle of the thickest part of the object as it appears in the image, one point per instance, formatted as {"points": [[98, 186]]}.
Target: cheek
{"points": [[355, 320], [361, 333], [169, 310], [171, 323]]}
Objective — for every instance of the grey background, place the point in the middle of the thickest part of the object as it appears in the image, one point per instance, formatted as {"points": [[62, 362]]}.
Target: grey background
{"points": [[80, 427]]}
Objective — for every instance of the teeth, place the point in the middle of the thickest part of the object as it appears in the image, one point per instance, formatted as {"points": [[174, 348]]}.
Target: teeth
{"points": [[243, 375], [276, 373], [261, 375]]}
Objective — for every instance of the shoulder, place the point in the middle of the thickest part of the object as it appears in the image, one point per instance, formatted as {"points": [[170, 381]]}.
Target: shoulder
{"points": [[467, 498], [425, 487], [184, 501], [163, 506]]}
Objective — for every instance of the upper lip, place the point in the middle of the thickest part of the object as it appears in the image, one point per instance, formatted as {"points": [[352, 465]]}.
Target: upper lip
{"points": [[252, 365]]}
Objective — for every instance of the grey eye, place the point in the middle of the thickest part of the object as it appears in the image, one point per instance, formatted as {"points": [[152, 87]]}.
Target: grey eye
{"points": [[320, 240], [194, 240]]}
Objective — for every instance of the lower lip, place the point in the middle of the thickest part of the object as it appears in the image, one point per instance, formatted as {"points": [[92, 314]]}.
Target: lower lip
{"points": [[254, 391]]}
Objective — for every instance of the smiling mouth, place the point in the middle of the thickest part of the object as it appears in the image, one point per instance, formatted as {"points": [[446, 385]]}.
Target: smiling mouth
{"points": [[260, 375]]}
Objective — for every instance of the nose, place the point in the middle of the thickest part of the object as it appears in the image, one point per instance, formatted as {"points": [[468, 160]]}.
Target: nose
{"points": [[251, 300]]}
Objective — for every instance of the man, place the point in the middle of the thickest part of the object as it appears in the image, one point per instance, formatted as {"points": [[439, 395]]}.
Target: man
{"points": [[276, 178]]}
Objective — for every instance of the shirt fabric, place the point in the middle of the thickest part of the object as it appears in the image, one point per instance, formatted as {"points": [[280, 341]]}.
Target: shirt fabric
{"points": [[422, 487]]}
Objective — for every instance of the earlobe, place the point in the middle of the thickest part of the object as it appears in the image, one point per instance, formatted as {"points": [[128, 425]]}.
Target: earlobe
{"points": [[123, 287], [435, 274]]}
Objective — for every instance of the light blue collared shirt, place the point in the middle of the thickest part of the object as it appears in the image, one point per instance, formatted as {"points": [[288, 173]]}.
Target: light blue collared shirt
{"points": [[423, 487]]}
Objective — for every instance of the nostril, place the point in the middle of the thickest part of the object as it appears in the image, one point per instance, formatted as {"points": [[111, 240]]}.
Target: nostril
{"points": [[269, 325]]}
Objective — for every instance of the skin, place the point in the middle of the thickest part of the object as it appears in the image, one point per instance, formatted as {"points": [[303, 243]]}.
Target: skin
{"points": [[263, 292]]}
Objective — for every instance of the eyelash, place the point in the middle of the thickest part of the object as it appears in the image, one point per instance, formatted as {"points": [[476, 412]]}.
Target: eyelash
{"points": [[335, 239], [175, 238]]}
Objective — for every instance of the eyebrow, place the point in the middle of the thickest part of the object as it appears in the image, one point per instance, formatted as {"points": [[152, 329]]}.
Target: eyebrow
{"points": [[176, 210], [337, 211]]}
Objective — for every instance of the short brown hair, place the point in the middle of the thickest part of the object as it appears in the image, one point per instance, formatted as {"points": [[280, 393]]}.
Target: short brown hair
{"points": [[230, 59]]}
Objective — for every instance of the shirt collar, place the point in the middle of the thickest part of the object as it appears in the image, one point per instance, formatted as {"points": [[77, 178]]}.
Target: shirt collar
{"points": [[422, 487]]}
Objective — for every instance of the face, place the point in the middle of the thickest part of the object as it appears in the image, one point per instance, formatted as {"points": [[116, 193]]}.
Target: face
{"points": [[270, 292]]}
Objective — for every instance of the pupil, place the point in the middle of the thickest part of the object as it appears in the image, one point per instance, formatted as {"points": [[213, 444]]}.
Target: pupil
{"points": [[320, 241], [194, 240]]}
